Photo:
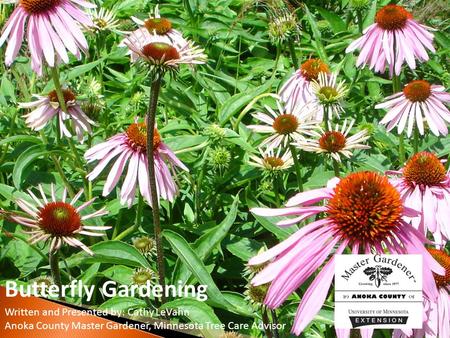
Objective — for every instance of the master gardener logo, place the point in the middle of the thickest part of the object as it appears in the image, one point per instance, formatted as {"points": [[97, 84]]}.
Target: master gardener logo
{"points": [[378, 274], [380, 291]]}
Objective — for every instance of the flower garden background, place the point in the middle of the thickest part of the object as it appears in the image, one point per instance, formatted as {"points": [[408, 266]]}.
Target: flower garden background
{"points": [[234, 144]]}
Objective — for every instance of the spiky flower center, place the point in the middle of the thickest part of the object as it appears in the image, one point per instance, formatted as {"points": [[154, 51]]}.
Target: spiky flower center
{"points": [[69, 96], [444, 260], [38, 6], [160, 52], [332, 141], [137, 137], [392, 17], [328, 94], [47, 281], [144, 244], [365, 208], [160, 26], [257, 294], [417, 91], [311, 69], [285, 124], [59, 219], [100, 23], [273, 162], [424, 168], [142, 276]]}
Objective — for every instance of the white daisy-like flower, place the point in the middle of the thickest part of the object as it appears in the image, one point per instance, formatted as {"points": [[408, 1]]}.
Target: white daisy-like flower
{"points": [[336, 142], [57, 220], [285, 126], [272, 160], [418, 101], [163, 54], [329, 95], [104, 20]]}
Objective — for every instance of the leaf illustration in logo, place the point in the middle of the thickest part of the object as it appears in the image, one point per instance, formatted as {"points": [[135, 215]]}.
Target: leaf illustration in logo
{"points": [[369, 271]]}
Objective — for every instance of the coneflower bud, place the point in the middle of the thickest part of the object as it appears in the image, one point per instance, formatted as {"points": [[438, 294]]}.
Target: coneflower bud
{"points": [[145, 244], [145, 276], [256, 294], [46, 280], [359, 4], [214, 132], [220, 158], [283, 27], [231, 334]]}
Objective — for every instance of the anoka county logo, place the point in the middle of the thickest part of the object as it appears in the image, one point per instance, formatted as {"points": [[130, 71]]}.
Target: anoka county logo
{"points": [[378, 274]]}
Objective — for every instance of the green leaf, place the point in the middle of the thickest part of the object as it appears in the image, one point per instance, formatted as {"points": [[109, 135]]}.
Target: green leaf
{"points": [[239, 302], [24, 160], [117, 252], [316, 34], [23, 256], [89, 274], [122, 304], [370, 17], [208, 241], [21, 138], [242, 247], [234, 104], [82, 69], [198, 269], [119, 273], [7, 88], [336, 23], [197, 312]]}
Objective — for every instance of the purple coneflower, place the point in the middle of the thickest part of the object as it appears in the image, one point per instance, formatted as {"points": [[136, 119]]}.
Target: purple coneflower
{"points": [[159, 50], [284, 125], [53, 28], [57, 220], [296, 90], [328, 95], [336, 142], [436, 313], [393, 39], [156, 29], [130, 148], [271, 160], [424, 185], [47, 107], [417, 102], [363, 212]]}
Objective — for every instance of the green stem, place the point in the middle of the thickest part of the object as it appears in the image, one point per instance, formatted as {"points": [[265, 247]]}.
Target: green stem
{"points": [[275, 322], [151, 117], [266, 321], [293, 54], [276, 189], [360, 21], [137, 223], [416, 140], [401, 143], [277, 59], [54, 266], [59, 168], [62, 102], [79, 164], [337, 172], [297, 167]]}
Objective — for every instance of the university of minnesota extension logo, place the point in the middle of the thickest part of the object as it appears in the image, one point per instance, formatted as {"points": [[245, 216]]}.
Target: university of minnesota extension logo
{"points": [[380, 291]]}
